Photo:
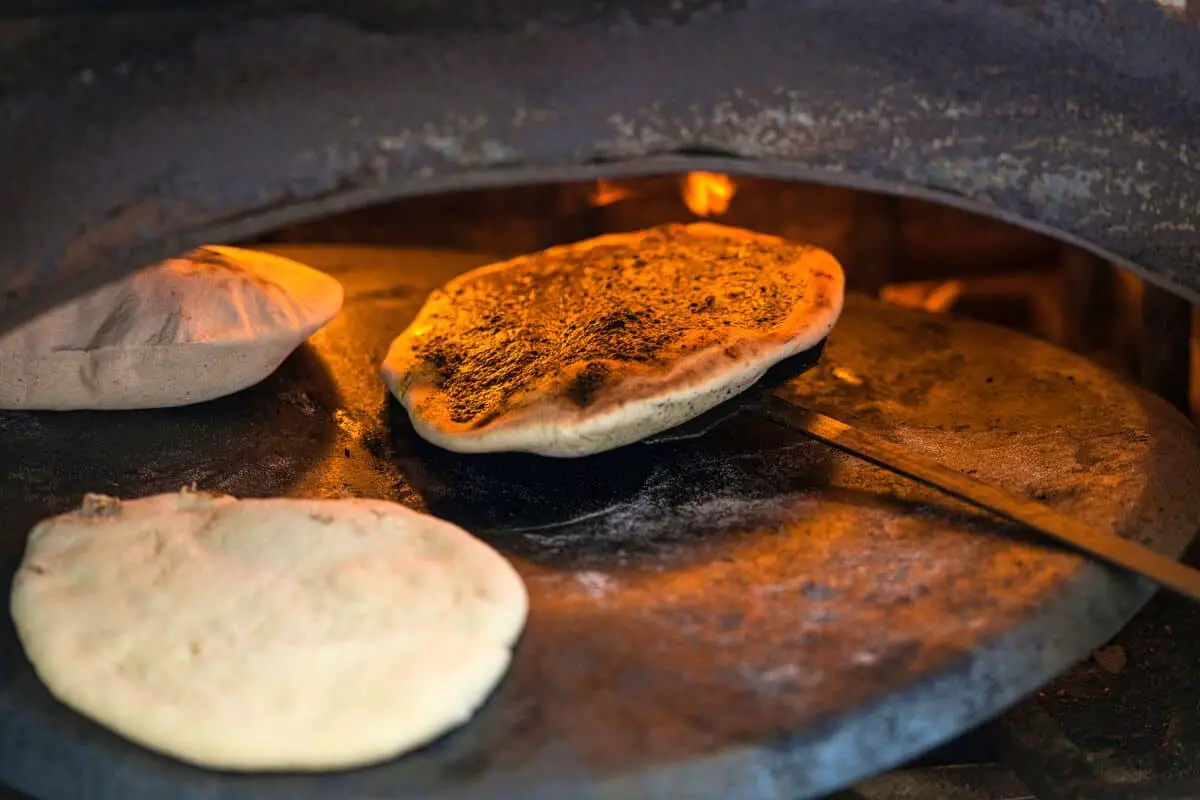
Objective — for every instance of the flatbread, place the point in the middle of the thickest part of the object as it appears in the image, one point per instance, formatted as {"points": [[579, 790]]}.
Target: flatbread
{"points": [[190, 329], [266, 634], [594, 345]]}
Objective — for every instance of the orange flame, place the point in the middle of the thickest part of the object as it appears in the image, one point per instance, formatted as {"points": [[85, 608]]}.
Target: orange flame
{"points": [[605, 193], [708, 193]]}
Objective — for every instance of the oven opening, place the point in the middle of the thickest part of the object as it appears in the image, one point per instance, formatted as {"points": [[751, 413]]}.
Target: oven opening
{"points": [[738, 595], [905, 252]]}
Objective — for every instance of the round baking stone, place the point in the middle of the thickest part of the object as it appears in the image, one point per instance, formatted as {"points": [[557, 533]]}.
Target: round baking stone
{"points": [[745, 615]]}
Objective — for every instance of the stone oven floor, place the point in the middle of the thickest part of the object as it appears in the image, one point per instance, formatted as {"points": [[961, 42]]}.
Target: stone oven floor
{"points": [[1124, 723]]}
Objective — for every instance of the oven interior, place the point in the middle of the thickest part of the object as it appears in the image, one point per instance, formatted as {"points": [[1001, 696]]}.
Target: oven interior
{"points": [[904, 251], [772, 568]]}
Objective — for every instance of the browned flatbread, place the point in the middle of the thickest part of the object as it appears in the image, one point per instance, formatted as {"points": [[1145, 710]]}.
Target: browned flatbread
{"points": [[594, 345]]}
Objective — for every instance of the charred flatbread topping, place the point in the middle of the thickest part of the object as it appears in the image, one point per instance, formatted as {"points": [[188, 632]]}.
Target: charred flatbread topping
{"points": [[548, 352]]}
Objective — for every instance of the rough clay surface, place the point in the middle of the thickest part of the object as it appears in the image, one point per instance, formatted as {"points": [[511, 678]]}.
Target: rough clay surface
{"points": [[594, 345], [744, 616], [266, 634], [190, 329], [227, 120]]}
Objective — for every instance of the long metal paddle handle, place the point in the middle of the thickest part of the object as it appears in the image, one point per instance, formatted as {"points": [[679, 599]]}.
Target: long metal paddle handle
{"points": [[1044, 520]]}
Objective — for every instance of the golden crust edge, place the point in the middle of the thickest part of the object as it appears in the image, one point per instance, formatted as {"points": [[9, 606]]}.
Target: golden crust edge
{"points": [[524, 429], [710, 229]]}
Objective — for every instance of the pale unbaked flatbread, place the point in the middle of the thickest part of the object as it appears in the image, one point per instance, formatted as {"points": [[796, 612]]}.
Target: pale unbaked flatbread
{"points": [[266, 634], [190, 329], [594, 345]]}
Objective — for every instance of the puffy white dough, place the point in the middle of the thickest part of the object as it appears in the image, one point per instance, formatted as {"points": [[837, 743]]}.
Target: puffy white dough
{"points": [[266, 634], [183, 331]]}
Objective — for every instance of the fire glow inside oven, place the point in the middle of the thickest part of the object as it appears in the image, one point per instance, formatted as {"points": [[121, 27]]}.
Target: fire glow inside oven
{"points": [[741, 614]]}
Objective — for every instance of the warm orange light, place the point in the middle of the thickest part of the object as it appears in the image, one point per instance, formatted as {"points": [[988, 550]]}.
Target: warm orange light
{"points": [[605, 193], [936, 296], [708, 193]]}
